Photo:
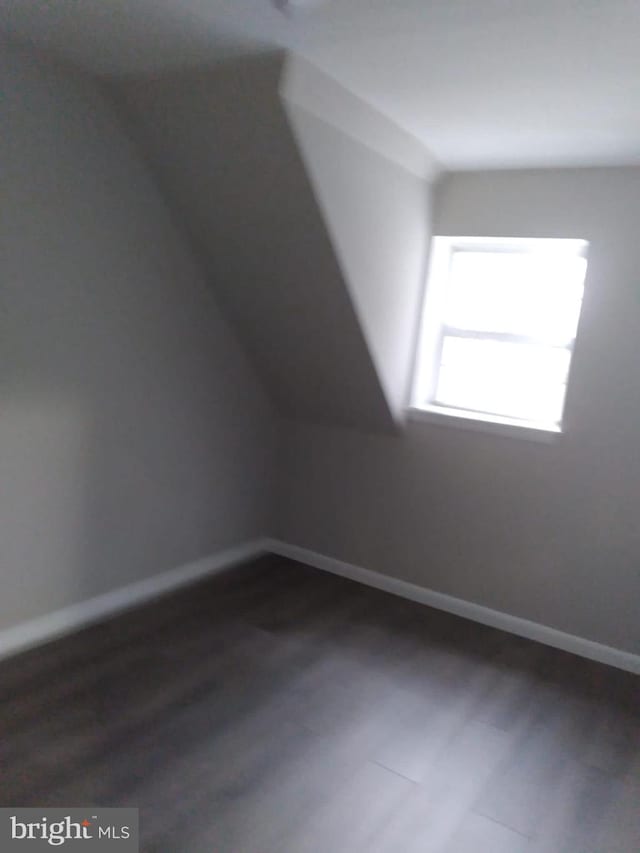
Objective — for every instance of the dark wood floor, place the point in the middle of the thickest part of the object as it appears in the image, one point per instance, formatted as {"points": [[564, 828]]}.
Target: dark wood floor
{"points": [[277, 708]]}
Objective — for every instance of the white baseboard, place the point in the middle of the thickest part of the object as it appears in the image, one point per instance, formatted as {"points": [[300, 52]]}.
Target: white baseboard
{"points": [[458, 606], [44, 628], [75, 616]]}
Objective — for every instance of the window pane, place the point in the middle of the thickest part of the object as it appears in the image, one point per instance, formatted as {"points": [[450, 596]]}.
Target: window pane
{"points": [[516, 380], [533, 294]]}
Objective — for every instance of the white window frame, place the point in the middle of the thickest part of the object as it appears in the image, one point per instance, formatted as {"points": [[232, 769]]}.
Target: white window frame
{"points": [[433, 330]]}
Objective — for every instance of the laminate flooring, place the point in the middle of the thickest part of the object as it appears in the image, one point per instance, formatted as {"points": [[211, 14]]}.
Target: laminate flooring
{"points": [[278, 709]]}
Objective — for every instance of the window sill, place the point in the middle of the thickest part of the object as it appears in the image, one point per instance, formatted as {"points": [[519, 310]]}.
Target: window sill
{"points": [[529, 430]]}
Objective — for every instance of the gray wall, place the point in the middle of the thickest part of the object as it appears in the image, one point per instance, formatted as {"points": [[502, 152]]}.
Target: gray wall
{"points": [[133, 434], [220, 143], [548, 532]]}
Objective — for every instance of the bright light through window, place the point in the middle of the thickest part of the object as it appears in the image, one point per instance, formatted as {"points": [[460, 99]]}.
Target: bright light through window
{"points": [[499, 325]]}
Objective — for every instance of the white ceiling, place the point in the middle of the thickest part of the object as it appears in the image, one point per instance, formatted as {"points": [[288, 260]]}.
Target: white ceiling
{"points": [[482, 83]]}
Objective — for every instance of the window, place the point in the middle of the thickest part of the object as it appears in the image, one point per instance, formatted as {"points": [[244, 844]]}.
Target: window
{"points": [[499, 324]]}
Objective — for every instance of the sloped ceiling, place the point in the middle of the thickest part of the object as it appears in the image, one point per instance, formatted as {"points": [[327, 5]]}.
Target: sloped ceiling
{"points": [[369, 178], [228, 162], [376, 215], [491, 84]]}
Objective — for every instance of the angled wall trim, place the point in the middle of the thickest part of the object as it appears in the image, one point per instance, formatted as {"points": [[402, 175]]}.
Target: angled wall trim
{"points": [[304, 85], [41, 630], [460, 607]]}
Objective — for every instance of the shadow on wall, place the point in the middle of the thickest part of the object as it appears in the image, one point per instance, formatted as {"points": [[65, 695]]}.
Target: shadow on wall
{"points": [[224, 151]]}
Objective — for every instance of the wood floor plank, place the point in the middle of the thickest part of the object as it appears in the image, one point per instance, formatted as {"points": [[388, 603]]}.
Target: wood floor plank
{"points": [[479, 833]]}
